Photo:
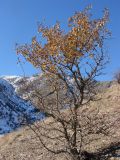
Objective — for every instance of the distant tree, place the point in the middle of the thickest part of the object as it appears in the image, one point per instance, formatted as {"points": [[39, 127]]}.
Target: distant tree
{"points": [[70, 61], [117, 76]]}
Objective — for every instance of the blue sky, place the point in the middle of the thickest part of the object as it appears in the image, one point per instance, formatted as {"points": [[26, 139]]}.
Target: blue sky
{"points": [[18, 23]]}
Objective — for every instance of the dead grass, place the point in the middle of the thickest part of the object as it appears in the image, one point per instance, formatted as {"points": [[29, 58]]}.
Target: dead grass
{"points": [[23, 144]]}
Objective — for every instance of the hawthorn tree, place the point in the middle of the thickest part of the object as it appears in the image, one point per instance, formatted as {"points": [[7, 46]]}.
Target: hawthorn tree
{"points": [[70, 60]]}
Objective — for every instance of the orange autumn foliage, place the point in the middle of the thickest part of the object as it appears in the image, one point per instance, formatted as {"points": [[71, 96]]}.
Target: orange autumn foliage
{"points": [[85, 35]]}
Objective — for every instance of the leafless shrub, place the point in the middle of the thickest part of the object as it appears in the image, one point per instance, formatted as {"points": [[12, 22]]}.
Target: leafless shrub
{"points": [[117, 76]]}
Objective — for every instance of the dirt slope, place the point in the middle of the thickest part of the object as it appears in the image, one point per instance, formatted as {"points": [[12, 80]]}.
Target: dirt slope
{"points": [[23, 144]]}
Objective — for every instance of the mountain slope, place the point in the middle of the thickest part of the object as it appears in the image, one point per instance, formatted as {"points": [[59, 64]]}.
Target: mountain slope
{"points": [[23, 144], [15, 93], [12, 108]]}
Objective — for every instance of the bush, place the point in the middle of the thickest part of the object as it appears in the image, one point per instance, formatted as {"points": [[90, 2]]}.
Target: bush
{"points": [[117, 76]]}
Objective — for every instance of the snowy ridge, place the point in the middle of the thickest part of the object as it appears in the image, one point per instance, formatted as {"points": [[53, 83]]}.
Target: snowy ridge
{"points": [[14, 111]]}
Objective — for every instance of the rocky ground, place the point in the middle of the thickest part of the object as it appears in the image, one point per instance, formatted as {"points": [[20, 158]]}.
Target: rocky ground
{"points": [[23, 144]]}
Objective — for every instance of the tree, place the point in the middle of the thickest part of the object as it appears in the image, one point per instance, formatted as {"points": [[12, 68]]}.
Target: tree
{"points": [[117, 77], [70, 61]]}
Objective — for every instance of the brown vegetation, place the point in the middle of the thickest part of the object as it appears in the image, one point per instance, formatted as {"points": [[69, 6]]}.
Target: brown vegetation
{"points": [[117, 77], [24, 144]]}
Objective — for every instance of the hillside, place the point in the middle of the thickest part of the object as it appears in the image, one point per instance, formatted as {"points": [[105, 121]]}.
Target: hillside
{"points": [[14, 110], [23, 144]]}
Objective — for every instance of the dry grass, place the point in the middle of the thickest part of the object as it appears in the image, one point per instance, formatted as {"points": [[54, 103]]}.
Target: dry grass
{"points": [[23, 144]]}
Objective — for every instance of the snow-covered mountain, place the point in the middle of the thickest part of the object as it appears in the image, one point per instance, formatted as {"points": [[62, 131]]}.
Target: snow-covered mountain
{"points": [[14, 110]]}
